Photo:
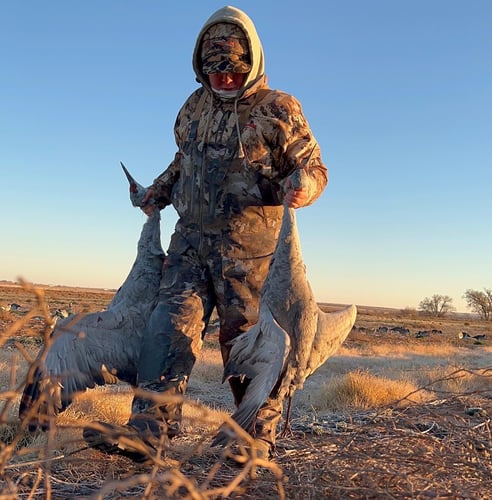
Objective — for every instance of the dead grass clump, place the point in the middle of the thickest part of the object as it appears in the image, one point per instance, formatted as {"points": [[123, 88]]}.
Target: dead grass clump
{"points": [[363, 390], [7, 433], [13, 434], [108, 404]]}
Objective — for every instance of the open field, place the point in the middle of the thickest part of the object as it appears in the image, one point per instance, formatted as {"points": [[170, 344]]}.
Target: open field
{"points": [[401, 411]]}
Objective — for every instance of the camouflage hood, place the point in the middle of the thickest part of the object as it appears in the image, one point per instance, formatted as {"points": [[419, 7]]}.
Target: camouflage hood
{"points": [[235, 16]]}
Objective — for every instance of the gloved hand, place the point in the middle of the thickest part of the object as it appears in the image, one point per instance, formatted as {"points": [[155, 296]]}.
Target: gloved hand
{"points": [[148, 205], [298, 189]]}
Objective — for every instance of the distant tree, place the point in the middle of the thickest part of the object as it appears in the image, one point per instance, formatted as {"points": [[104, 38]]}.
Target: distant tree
{"points": [[480, 302], [437, 305]]}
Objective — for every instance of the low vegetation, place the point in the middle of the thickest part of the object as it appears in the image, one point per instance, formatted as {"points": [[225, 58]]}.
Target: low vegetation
{"points": [[401, 411]]}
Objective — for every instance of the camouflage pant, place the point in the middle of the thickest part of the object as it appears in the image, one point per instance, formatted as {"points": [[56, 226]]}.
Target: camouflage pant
{"points": [[192, 285]]}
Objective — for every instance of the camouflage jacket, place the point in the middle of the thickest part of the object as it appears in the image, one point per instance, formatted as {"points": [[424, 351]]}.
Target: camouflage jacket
{"points": [[221, 184]]}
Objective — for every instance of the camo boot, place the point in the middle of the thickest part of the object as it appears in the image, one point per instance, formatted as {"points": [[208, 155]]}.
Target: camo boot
{"points": [[265, 427]]}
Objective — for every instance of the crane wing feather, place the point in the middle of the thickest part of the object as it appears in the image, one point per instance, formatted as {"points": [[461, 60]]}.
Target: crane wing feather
{"points": [[259, 355]]}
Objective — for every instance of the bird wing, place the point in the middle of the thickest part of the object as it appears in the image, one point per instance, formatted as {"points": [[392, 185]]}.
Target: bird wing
{"points": [[99, 348], [84, 351], [259, 355], [332, 330]]}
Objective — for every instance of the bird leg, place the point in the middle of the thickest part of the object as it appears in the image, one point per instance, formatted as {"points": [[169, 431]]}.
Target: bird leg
{"points": [[287, 428]]}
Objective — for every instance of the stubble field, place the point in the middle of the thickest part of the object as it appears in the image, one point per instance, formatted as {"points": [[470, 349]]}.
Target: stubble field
{"points": [[401, 411]]}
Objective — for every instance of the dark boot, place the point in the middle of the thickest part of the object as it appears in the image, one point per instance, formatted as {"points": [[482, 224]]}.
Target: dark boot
{"points": [[168, 414], [140, 444]]}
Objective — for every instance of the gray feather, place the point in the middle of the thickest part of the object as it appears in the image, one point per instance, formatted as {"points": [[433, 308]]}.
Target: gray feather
{"points": [[259, 355]]}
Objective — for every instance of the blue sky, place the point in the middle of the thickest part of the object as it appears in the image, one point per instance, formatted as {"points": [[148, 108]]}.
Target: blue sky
{"points": [[398, 94]]}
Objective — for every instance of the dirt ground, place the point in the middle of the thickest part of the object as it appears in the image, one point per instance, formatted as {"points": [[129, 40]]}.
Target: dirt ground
{"points": [[438, 449]]}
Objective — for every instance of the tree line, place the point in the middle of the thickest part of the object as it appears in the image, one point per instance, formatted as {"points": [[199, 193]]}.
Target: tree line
{"points": [[480, 302]]}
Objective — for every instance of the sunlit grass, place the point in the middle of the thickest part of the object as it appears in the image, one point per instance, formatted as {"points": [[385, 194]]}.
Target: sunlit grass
{"points": [[363, 390]]}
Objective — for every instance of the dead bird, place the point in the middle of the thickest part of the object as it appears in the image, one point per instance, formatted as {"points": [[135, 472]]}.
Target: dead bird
{"points": [[292, 338], [101, 347]]}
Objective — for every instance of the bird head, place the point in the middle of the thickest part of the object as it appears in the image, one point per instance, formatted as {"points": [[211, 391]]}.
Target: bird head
{"points": [[137, 191]]}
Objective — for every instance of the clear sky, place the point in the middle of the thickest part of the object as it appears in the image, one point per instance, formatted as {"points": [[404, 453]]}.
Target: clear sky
{"points": [[398, 94]]}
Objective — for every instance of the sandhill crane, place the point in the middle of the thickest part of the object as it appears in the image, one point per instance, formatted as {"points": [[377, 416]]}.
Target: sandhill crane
{"points": [[100, 347], [292, 337]]}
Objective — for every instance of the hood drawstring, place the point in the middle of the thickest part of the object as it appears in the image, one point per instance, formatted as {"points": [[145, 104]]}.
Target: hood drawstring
{"points": [[239, 118], [241, 152]]}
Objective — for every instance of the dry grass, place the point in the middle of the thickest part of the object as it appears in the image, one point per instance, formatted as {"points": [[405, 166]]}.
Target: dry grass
{"points": [[361, 390], [387, 417]]}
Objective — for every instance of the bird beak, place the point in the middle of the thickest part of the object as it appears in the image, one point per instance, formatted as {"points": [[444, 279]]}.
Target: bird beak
{"points": [[131, 180]]}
